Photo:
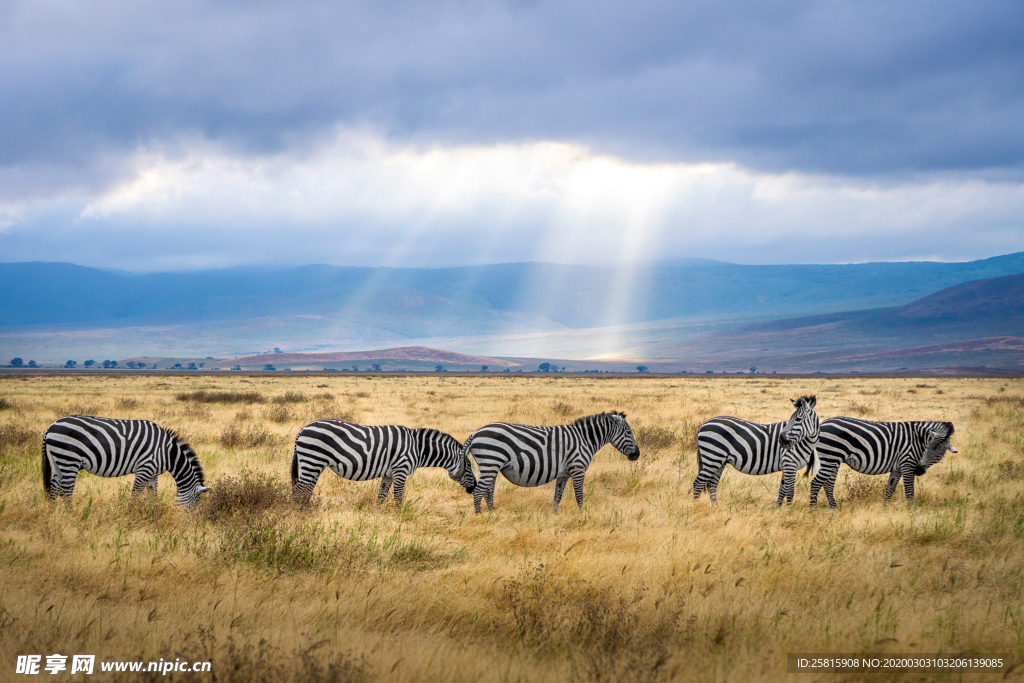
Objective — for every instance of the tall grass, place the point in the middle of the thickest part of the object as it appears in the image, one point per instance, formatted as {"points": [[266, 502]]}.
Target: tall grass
{"points": [[644, 584]]}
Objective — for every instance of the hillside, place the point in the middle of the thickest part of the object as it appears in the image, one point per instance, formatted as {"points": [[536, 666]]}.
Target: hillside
{"points": [[693, 315], [524, 297], [410, 357]]}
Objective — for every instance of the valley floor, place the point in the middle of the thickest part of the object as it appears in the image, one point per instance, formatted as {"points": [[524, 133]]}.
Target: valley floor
{"points": [[643, 584]]}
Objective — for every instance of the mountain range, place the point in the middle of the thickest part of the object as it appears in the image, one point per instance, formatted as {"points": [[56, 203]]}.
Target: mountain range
{"points": [[696, 312]]}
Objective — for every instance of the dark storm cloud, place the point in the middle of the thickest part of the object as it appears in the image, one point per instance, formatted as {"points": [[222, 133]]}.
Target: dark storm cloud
{"points": [[833, 87]]}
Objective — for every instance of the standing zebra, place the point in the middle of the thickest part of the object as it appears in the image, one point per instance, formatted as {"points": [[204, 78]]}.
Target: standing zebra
{"points": [[113, 448], [533, 456], [755, 448], [899, 449], [359, 453]]}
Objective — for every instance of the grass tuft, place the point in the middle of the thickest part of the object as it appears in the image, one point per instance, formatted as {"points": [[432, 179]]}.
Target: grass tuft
{"points": [[220, 396]]}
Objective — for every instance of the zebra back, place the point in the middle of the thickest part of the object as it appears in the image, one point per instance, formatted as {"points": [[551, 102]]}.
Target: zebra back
{"points": [[881, 447]]}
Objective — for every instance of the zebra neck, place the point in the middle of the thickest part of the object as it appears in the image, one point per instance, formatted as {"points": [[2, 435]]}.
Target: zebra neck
{"points": [[595, 434], [435, 457], [432, 453], [180, 468]]}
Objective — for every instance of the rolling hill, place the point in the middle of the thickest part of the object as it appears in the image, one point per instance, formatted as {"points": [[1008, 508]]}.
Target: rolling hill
{"points": [[684, 316]]}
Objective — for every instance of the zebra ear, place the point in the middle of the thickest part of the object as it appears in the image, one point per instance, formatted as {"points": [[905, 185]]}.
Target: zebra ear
{"points": [[812, 401], [796, 403]]}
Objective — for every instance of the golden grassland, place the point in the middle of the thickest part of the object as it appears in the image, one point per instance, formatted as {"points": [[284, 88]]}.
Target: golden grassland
{"points": [[643, 584]]}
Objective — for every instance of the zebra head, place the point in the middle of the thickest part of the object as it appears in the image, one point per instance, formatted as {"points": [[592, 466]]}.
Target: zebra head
{"points": [[187, 473], [621, 436], [453, 456], [802, 424], [465, 476], [936, 443]]}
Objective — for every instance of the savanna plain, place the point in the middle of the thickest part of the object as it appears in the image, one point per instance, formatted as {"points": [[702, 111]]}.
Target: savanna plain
{"points": [[643, 584]]}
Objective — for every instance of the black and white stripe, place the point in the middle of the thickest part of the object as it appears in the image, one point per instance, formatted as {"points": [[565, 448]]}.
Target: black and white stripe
{"points": [[108, 447], [754, 448], [899, 449], [533, 456], [360, 453]]}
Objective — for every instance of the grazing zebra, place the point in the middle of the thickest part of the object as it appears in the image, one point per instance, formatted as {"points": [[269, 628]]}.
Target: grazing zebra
{"points": [[899, 449], [113, 448], [533, 456], [755, 448], [359, 453]]}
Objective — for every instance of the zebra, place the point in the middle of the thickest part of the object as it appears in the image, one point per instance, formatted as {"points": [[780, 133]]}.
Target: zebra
{"points": [[534, 456], [754, 448], [899, 449], [358, 453], [108, 447]]}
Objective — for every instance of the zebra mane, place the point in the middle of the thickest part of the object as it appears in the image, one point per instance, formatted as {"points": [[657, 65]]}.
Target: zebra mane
{"points": [[590, 418], [430, 434], [193, 459]]}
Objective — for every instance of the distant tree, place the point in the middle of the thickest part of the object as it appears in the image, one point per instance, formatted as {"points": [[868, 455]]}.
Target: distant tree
{"points": [[563, 368], [106, 363], [191, 366], [236, 367], [32, 364], [16, 362], [483, 368], [209, 358], [641, 368], [268, 366], [71, 364], [355, 369], [439, 368], [89, 363], [277, 350], [753, 368], [507, 370], [375, 367], [113, 363], [202, 364], [545, 367], [710, 372], [131, 364], [177, 365]]}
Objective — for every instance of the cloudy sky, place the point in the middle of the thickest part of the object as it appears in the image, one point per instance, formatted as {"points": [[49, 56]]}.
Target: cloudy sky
{"points": [[155, 136]]}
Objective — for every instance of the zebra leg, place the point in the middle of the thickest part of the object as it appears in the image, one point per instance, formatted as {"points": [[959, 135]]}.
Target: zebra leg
{"points": [[484, 489], [559, 490], [707, 479], [815, 486], [308, 472], [385, 486], [908, 484], [826, 478], [894, 478], [786, 488], [145, 478], [577, 485], [64, 485], [399, 490]]}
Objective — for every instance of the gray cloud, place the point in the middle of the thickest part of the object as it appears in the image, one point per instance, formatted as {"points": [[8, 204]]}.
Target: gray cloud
{"points": [[832, 87]]}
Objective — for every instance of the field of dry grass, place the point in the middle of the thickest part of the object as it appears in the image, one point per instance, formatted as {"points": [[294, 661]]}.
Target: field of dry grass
{"points": [[643, 584]]}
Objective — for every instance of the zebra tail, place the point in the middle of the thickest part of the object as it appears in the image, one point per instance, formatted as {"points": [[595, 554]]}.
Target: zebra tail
{"points": [[47, 472], [813, 465], [295, 467]]}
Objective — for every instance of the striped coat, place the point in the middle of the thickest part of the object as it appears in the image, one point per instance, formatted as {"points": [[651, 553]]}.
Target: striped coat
{"points": [[109, 447], [755, 448], [533, 456], [390, 452], [903, 450]]}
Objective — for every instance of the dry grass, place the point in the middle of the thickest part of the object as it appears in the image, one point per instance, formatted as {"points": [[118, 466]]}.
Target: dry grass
{"points": [[644, 584]]}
